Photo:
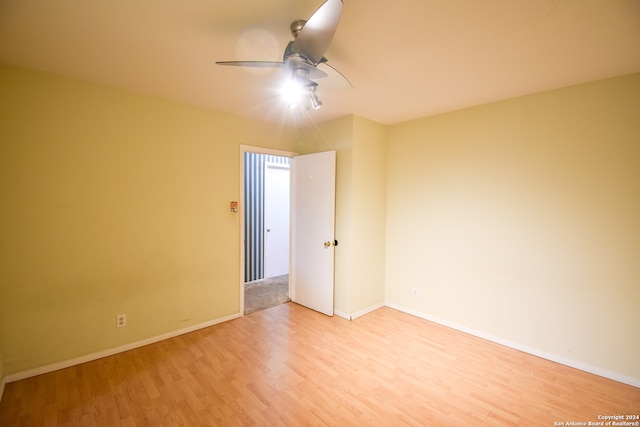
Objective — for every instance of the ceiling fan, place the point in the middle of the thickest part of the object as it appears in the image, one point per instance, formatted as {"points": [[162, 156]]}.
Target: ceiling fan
{"points": [[303, 54]]}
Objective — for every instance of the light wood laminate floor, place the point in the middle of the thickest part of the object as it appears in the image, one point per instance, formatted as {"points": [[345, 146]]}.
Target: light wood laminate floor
{"points": [[291, 366]]}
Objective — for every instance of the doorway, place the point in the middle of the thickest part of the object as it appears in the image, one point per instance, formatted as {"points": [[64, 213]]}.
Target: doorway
{"points": [[265, 227]]}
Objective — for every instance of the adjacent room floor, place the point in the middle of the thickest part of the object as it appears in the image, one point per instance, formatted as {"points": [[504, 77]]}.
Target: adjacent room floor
{"points": [[265, 293]]}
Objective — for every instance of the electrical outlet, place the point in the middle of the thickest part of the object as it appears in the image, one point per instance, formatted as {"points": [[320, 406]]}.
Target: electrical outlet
{"points": [[121, 320], [415, 292]]}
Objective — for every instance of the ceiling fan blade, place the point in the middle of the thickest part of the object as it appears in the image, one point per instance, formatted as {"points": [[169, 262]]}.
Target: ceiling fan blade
{"points": [[255, 64], [293, 65], [316, 35], [339, 80]]}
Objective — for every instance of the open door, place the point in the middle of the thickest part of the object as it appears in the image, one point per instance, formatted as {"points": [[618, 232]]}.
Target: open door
{"points": [[313, 183]]}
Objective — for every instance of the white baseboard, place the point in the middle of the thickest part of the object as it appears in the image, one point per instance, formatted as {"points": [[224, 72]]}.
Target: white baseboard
{"points": [[366, 311], [635, 382], [342, 314], [110, 352], [359, 313]]}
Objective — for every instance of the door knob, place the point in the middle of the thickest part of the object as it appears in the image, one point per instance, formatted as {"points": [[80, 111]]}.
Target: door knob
{"points": [[329, 243]]}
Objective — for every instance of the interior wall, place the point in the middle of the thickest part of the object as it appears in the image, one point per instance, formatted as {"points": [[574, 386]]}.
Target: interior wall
{"points": [[113, 202], [337, 135], [369, 200], [360, 146], [519, 220], [2, 378]]}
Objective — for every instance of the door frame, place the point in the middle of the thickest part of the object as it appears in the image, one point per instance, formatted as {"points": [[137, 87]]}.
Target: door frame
{"points": [[241, 210]]}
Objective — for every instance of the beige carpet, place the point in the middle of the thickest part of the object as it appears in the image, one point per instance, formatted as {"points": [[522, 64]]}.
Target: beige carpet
{"points": [[265, 293]]}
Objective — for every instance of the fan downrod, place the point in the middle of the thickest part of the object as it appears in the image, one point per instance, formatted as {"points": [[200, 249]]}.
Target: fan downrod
{"points": [[296, 27]]}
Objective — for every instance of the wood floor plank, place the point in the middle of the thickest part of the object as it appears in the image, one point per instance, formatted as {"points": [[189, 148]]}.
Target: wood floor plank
{"points": [[291, 366]]}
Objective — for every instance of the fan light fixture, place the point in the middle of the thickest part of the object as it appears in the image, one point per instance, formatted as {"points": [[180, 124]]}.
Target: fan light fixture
{"points": [[315, 101], [300, 90], [303, 55], [292, 93]]}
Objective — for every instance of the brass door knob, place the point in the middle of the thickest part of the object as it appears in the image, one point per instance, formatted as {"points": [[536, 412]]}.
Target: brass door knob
{"points": [[329, 243]]}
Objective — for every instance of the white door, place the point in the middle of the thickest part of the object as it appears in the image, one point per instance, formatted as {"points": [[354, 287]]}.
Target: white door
{"points": [[312, 230], [276, 219]]}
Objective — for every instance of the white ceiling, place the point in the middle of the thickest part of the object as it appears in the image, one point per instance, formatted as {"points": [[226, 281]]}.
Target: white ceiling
{"points": [[405, 58]]}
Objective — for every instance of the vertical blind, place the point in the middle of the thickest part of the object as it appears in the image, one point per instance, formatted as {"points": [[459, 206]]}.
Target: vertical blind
{"points": [[254, 165]]}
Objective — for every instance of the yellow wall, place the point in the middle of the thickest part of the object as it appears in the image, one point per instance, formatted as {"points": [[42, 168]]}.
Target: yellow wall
{"points": [[368, 215], [2, 379], [337, 135], [517, 219], [360, 146], [521, 220], [113, 202]]}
